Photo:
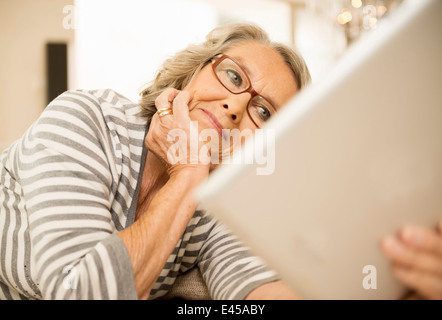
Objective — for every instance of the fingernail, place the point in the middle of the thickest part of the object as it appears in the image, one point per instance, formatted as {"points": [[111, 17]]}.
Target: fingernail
{"points": [[412, 236], [393, 246]]}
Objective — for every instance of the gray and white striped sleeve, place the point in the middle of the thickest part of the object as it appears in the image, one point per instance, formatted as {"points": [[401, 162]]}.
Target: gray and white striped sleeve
{"points": [[229, 268], [64, 169]]}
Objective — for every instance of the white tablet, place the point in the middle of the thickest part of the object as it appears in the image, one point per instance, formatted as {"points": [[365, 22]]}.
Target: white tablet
{"points": [[355, 156]]}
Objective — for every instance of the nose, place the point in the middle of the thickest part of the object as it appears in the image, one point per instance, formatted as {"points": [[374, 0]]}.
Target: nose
{"points": [[236, 106]]}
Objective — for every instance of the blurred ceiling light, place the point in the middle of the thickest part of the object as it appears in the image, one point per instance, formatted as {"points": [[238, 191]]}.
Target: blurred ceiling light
{"points": [[372, 22], [344, 17], [356, 3], [381, 10]]}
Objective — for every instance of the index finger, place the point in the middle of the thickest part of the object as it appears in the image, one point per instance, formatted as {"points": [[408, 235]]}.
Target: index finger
{"points": [[422, 238], [181, 107], [166, 98]]}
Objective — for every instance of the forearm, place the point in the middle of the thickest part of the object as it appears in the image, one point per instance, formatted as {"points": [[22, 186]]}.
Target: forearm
{"points": [[276, 290], [152, 238]]}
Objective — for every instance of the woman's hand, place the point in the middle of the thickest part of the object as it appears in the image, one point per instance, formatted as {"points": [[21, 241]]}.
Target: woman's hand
{"points": [[153, 236], [416, 254], [174, 138]]}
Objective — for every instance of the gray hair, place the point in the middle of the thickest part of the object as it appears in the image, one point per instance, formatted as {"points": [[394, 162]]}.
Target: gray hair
{"points": [[179, 70]]}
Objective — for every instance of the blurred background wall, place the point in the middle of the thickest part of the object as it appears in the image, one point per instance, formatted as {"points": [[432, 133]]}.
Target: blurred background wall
{"points": [[25, 28], [120, 44]]}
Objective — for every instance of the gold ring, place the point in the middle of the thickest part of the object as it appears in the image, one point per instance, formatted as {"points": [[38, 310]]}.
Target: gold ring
{"points": [[163, 109], [164, 112]]}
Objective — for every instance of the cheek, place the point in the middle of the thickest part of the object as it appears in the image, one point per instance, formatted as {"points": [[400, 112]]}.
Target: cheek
{"points": [[205, 87], [247, 125]]}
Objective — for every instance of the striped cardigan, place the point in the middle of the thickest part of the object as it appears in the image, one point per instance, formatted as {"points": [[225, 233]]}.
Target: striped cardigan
{"points": [[70, 183]]}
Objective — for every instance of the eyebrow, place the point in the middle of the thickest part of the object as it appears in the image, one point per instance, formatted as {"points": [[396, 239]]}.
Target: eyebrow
{"points": [[243, 64], [249, 73]]}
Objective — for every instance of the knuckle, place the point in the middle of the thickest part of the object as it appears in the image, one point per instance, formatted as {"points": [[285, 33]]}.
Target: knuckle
{"points": [[159, 100], [163, 96], [182, 97]]}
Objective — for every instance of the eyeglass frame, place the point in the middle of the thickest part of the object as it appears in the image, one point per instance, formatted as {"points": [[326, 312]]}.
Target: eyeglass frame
{"points": [[250, 89]]}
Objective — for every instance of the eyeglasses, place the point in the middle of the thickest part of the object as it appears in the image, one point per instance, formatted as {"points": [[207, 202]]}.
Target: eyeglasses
{"points": [[233, 77]]}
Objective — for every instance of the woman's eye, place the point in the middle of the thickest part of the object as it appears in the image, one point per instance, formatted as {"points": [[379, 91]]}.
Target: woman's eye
{"points": [[234, 77], [261, 112], [264, 113]]}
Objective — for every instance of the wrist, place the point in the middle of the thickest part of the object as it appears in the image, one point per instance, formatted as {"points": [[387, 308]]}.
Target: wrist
{"points": [[192, 175]]}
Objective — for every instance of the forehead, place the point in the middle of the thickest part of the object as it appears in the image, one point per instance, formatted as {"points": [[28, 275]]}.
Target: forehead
{"points": [[271, 77]]}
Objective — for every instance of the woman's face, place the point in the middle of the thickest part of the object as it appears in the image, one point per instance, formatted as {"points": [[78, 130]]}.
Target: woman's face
{"points": [[214, 107]]}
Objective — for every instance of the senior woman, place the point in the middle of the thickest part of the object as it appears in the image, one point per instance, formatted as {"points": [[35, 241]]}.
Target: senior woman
{"points": [[90, 206]]}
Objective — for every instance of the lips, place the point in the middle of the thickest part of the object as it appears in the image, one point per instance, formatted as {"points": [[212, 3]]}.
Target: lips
{"points": [[214, 121]]}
